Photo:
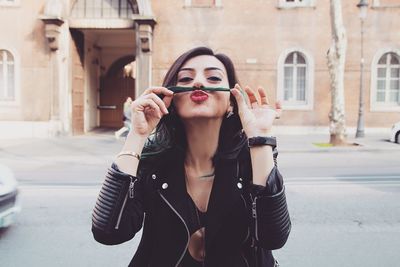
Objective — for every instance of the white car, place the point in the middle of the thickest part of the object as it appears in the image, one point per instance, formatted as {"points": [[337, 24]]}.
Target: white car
{"points": [[395, 133], [9, 204]]}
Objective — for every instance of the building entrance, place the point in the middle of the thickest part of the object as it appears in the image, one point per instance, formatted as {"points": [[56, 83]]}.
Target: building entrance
{"points": [[106, 36], [115, 87]]}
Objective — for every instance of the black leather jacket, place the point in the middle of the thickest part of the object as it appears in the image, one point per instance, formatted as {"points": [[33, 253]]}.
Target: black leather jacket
{"points": [[244, 221]]}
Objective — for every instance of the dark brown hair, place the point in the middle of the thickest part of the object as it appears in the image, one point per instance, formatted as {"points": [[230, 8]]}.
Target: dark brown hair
{"points": [[170, 133]]}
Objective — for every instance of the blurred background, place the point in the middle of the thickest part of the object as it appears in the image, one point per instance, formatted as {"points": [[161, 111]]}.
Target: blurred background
{"points": [[68, 66]]}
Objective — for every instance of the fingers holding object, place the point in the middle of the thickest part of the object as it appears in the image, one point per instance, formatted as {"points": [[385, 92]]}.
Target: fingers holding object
{"points": [[167, 100], [158, 90], [150, 104], [158, 101], [239, 96], [155, 93]]}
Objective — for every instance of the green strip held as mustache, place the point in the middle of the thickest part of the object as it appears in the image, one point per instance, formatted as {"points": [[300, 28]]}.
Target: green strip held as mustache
{"points": [[180, 89]]}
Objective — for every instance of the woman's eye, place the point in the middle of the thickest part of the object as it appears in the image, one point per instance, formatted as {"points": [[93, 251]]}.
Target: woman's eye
{"points": [[214, 78], [185, 79]]}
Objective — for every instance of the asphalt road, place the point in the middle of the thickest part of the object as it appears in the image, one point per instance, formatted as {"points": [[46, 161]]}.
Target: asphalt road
{"points": [[345, 207]]}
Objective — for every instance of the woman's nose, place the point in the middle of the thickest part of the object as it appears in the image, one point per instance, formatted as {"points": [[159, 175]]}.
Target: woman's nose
{"points": [[198, 84]]}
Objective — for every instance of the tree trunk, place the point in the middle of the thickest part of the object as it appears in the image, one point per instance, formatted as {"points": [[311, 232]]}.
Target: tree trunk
{"points": [[336, 63]]}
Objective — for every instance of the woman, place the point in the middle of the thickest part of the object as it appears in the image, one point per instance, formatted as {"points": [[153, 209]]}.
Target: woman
{"points": [[126, 118], [127, 112], [206, 178]]}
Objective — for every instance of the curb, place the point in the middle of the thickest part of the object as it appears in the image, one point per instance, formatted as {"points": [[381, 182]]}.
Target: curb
{"points": [[337, 150]]}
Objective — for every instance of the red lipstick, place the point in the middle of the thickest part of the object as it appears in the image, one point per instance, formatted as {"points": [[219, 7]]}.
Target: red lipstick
{"points": [[198, 96]]}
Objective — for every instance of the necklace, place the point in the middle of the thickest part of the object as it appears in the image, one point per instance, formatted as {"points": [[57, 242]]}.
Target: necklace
{"points": [[203, 177], [207, 176]]}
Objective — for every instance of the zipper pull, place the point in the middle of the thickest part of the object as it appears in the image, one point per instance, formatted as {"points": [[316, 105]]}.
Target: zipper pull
{"points": [[254, 210], [131, 188]]}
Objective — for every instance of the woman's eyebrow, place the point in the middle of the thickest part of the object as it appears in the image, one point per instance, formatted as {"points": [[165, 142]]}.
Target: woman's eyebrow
{"points": [[189, 69], [212, 68], [206, 69]]}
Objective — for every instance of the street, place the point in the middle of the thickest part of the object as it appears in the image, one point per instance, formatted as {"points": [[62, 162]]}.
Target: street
{"points": [[344, 206]]}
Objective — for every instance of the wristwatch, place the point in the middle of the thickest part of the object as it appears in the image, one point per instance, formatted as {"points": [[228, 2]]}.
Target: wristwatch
{"points": [[262, 140]]}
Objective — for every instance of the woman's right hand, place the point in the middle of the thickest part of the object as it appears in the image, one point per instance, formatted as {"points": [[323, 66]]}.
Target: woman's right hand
{"points": [[148, 109]]}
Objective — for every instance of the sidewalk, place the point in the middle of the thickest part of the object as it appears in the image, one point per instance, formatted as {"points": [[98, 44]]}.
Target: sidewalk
{"points": [[309, 143], [84, 159], [93, 146]]}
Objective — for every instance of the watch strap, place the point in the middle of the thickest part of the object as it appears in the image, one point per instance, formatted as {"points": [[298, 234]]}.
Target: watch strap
{"points": [[262, 140]]}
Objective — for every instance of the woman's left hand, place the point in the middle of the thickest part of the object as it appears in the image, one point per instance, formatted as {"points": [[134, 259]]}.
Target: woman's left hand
{"points": [[258, 116]]}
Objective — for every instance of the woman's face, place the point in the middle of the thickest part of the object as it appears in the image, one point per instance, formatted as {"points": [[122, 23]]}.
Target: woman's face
{"points": [[198, 72]]}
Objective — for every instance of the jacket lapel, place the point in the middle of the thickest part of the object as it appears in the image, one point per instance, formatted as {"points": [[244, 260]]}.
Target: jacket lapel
{"points": [[172, 185]]}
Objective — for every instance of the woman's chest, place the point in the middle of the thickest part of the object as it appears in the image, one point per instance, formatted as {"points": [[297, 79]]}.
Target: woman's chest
{"points": [[223, 200], [200, 194]]}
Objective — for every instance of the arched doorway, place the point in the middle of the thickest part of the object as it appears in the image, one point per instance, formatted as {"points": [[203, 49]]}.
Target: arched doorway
{"points": [[114, 89], [108, 30]]}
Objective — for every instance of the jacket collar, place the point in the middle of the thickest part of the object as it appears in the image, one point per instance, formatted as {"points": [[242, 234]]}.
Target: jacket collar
{"points": [[224, 193]]}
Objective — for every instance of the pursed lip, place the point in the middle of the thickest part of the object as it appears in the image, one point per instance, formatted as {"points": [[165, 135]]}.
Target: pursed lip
{"points": [[198, 93]]}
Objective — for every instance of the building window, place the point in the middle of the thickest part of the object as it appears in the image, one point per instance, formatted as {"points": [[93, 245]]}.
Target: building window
{"points": [[92, 9], [295, 3], [295, 82], [203, 3], [7, 76], [388, 79]]}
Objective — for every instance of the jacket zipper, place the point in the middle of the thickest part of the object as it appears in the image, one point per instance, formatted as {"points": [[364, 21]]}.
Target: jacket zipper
{"points": [[248, 233], [131, 195], [245, 205], [187, 229], [244, 201], [254, 213], [254, 206]]}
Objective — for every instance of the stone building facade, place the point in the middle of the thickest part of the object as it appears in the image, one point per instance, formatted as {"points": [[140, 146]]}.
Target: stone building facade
{"points": [[62, 61]]}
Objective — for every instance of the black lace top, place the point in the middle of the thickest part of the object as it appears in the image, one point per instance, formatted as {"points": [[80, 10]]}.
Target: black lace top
{"points": [[197, 221]]}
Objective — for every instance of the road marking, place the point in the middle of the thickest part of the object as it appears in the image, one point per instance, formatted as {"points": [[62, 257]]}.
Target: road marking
{"points": [[382, 180], [376, 180]]}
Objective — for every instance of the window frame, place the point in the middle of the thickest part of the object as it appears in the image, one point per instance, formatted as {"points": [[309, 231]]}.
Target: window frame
{"points": [[15, 3], [16, 100], [188, 3], [283, 4], [81, 9], [309, 90], [376, 106]]}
